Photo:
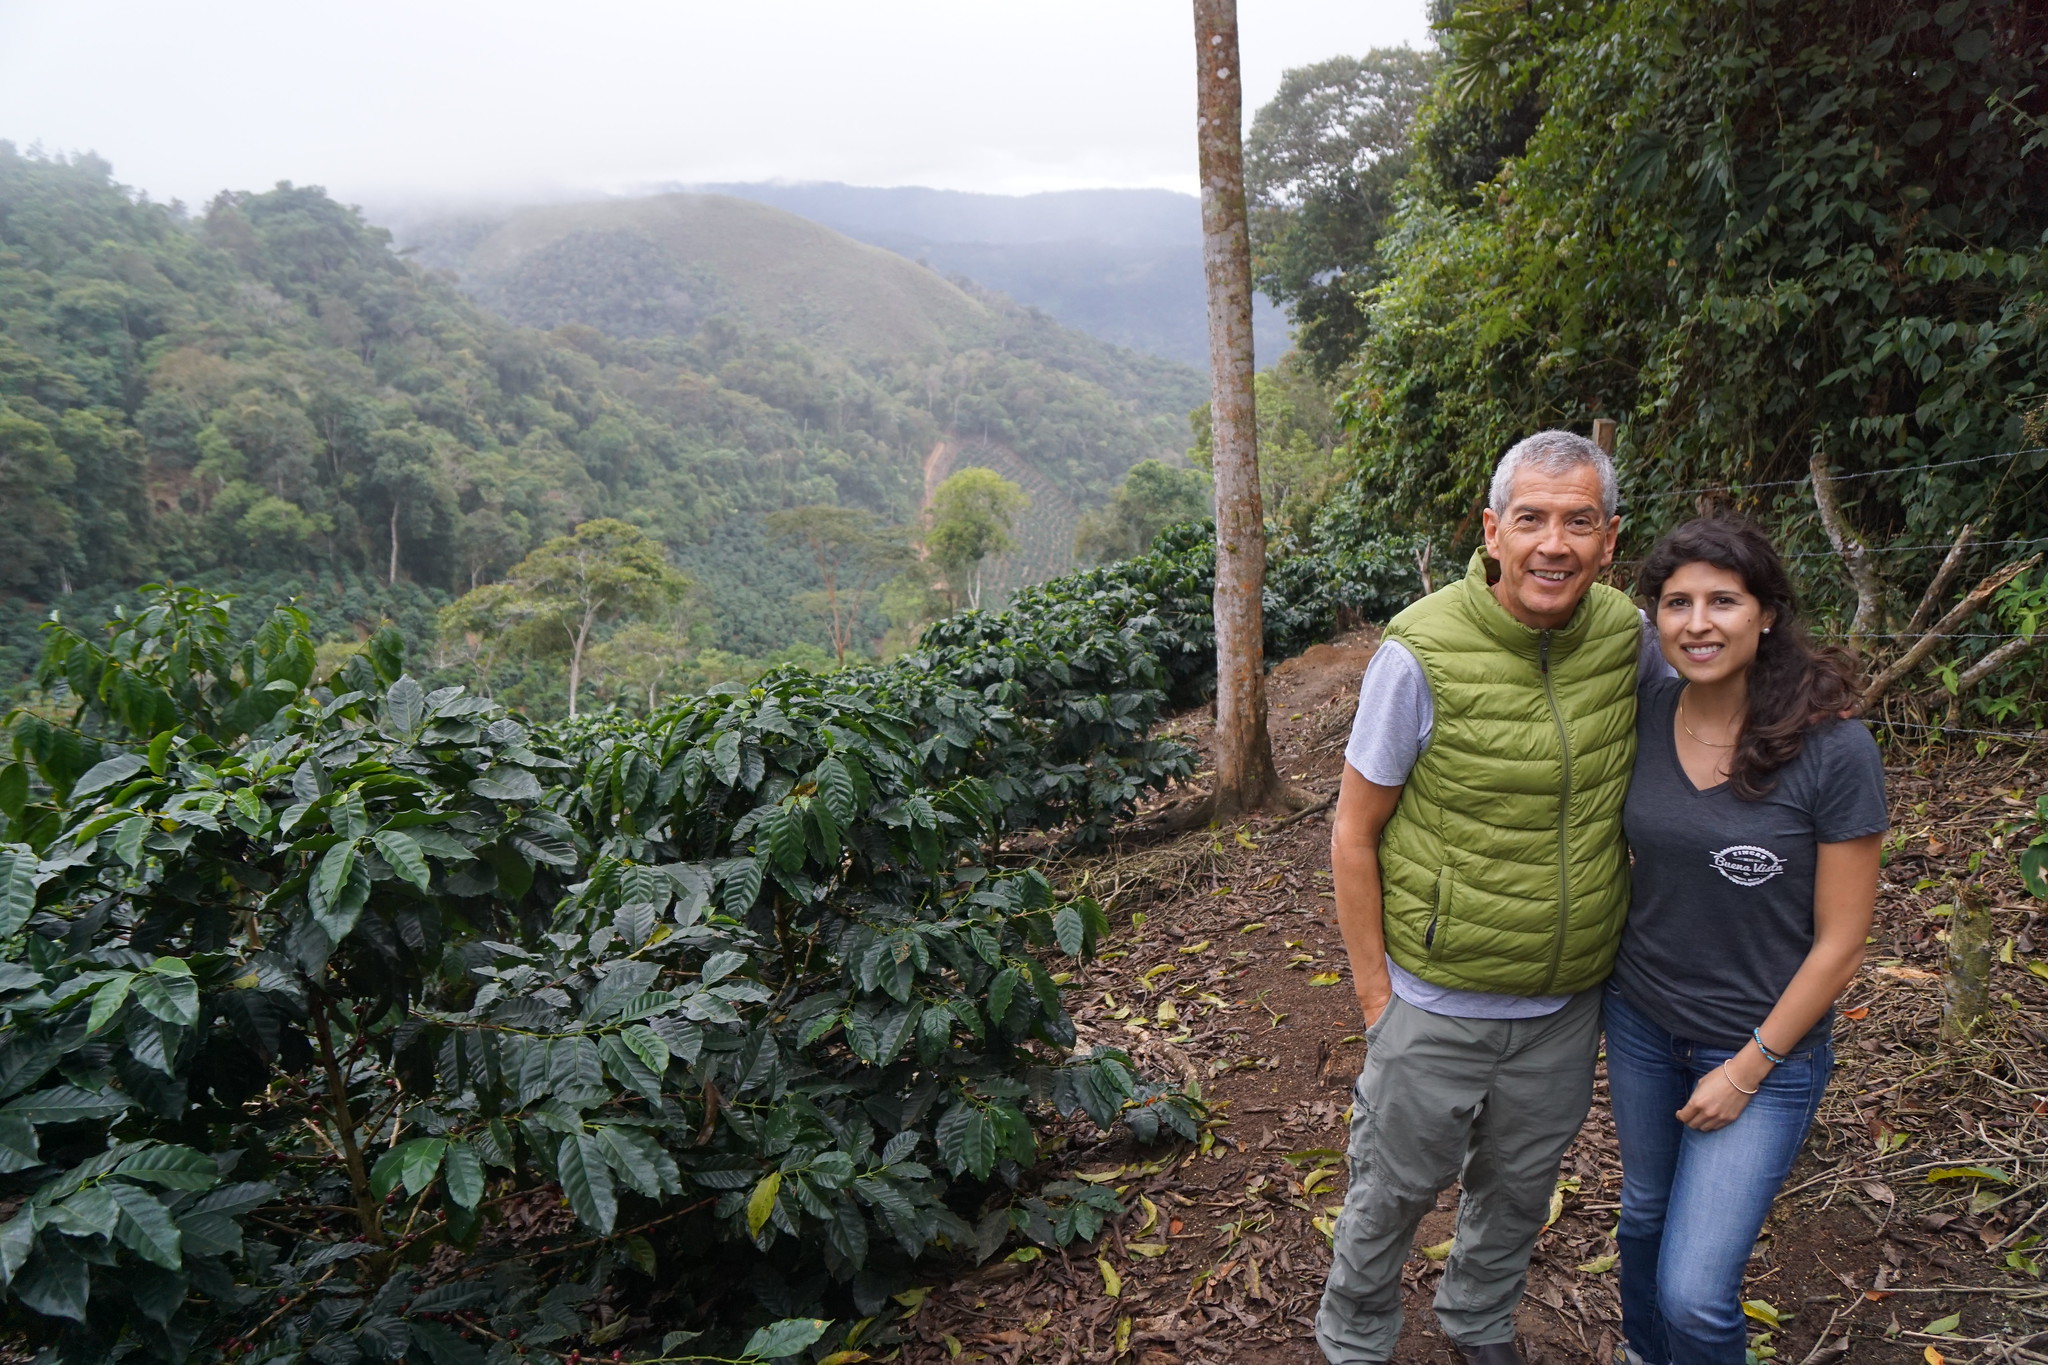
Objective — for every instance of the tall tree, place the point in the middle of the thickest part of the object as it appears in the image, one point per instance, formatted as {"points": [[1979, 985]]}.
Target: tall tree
{"points": [[1245, 776], [555, 598], [971, 514], [1322, 165], [853, 552], [1152, 497]]}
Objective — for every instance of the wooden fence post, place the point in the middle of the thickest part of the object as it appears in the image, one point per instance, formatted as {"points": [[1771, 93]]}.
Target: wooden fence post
{"points": [[1603, 433]]}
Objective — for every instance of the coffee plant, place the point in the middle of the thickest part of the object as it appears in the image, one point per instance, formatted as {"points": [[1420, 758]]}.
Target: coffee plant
{"points": [[347, 1020]]}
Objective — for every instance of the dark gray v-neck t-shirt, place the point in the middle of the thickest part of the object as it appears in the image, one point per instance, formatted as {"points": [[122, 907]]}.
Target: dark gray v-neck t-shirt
{"points": [[1721, 913]]}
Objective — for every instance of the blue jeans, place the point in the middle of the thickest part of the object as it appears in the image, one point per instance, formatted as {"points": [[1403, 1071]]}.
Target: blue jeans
{"points": [[1692, 1203]]}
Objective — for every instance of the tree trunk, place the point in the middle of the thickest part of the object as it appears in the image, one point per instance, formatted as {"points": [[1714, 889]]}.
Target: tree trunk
{"points": [[1245, 776], [576, 659], [391, 577]]}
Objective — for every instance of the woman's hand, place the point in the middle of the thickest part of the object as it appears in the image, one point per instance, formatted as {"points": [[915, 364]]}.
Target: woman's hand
{"points": [[1716, 1102]]}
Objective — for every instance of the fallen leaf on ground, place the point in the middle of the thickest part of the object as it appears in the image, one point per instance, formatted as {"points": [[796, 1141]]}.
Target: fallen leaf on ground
{"points": [[1967, 1173]]}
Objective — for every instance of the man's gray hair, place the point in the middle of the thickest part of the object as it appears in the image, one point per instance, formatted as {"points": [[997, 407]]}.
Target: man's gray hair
{"points": [[1551, 452]]}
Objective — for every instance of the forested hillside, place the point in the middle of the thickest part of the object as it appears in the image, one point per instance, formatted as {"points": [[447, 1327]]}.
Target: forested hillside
{"points": [[1079, 409], [265, 396]]}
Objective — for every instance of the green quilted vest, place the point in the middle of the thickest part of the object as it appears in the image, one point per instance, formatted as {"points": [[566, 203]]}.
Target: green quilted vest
{"points": [[1503, 868]]}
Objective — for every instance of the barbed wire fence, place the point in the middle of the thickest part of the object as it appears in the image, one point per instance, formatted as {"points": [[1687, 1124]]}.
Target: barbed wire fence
{"points": [[1955, 548]]}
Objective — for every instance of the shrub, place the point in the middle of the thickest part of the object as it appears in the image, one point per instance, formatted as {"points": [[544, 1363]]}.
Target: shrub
{"points": [[368, 963]]}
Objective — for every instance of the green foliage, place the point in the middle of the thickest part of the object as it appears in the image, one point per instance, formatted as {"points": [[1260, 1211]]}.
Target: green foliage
{"points": [[552, 600], [1301, 456], [852, 552], [2033, 859], [642, 662], [267, 391], [737, 981], [393, 957], [1755, 231], [968, 518], [2010, 667], [1323, 161], [1152, 497]]}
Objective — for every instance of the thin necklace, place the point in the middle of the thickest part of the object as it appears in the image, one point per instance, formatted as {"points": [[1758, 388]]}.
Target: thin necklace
{"points": [[1694, 733]]}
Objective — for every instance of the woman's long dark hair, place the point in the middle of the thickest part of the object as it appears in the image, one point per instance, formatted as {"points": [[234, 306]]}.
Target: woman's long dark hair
{"points": [[1793, 687]]}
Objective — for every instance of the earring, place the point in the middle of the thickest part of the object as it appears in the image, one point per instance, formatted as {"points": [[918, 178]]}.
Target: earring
{"points": [[1767, 630]]}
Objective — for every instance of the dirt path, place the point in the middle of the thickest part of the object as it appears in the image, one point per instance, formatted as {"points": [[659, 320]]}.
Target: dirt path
{"points": [[1226, 967], [937, 465]]}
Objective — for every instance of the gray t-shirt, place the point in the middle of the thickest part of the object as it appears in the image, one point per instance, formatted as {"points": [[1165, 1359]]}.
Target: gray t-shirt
{"points": [[1721, 911], [1395, 716]]}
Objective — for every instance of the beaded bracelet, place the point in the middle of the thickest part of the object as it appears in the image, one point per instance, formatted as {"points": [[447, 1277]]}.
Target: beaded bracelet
{"points": [[1761, 1046]]}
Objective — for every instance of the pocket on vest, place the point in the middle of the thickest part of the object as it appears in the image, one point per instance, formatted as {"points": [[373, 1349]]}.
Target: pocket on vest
{"points": [[1439, 914]]}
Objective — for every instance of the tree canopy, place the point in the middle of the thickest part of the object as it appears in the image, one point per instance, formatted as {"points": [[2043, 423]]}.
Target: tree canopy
{"points": [[969, 519], [1153, 496], [1323, 163], [1749, 232], [554, 600]]}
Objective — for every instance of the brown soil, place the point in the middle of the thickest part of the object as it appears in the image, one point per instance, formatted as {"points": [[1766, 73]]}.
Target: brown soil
{"points": [[1223, 1248]]}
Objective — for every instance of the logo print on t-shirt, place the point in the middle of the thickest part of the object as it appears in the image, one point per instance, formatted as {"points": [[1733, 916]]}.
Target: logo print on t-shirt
{"points": [[1747, 865]]}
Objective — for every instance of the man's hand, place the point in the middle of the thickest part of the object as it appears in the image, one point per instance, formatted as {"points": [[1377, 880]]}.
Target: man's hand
{"points": [[1373, 998]]}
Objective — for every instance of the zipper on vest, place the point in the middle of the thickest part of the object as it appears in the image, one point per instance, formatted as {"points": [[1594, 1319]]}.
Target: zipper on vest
{"points": [[1564, 806], [1436, 909]]}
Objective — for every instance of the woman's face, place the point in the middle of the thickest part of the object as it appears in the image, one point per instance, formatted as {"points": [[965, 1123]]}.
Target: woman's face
{"points": [[1708, 622]]}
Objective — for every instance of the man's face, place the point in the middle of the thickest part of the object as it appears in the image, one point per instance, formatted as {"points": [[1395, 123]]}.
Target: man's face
{"points": [[1550, 544]]}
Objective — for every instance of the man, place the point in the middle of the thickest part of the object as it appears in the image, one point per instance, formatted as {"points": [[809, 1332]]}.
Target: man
{"points": [[1481, 884]]}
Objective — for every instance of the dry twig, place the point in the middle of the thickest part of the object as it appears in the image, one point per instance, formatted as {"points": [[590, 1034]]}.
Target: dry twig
{"points": [[1951, 565], [1925, 645]]}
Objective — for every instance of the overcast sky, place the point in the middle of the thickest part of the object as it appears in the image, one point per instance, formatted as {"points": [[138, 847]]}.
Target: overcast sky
{"points": [[382, 100]]}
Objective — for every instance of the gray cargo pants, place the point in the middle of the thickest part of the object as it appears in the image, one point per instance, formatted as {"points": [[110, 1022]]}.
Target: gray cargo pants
{"points": [[1491, 1103]]}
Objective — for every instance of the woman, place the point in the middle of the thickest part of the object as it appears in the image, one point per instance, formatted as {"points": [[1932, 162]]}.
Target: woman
{"points": [[1754, 818]]}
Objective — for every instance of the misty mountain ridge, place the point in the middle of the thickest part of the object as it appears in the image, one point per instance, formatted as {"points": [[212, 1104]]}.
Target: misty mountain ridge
{"points": [[664, 264], [1122, 265]]}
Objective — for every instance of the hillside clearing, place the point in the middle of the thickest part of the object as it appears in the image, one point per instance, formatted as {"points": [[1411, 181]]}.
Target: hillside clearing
{"points": [[1220, 967]]}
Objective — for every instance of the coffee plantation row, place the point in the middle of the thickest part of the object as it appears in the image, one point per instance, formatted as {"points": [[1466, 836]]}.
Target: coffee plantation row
{"points": [[315, 987]]}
